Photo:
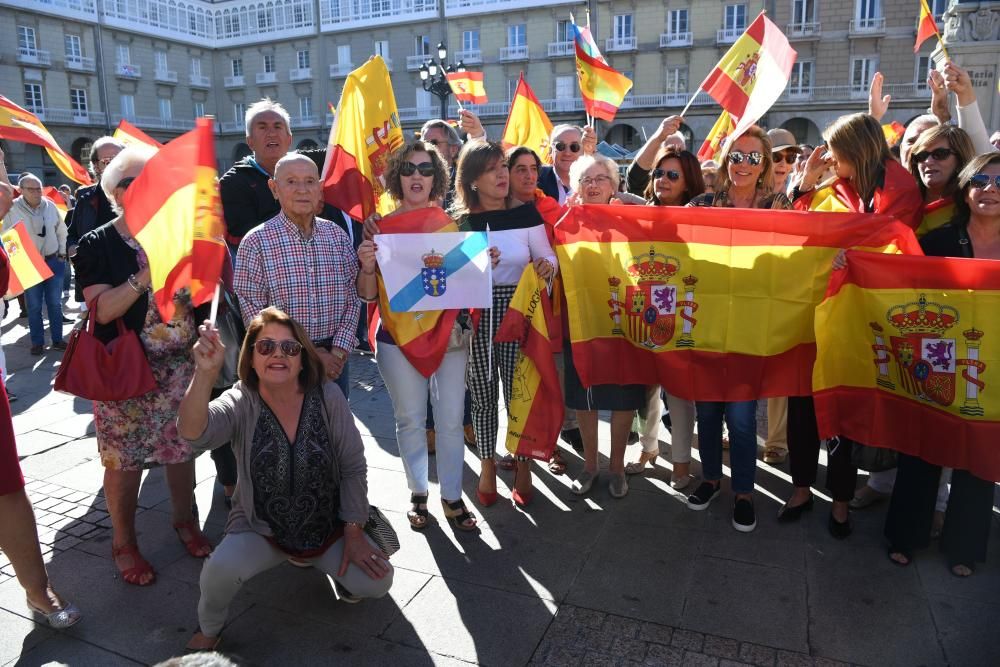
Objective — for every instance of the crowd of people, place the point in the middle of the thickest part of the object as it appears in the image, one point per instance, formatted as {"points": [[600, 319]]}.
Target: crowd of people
{"points": [[276, 415]]}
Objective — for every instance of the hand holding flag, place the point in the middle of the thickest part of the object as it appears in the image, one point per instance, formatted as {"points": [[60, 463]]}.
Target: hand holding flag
{"points": [[467, 87]]}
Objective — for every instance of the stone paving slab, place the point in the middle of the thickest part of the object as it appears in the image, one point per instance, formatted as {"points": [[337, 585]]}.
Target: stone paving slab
{"points": [[63, 649]]}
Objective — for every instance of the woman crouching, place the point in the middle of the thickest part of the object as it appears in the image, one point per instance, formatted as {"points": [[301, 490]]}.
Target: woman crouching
{"points": [[302, 487]]}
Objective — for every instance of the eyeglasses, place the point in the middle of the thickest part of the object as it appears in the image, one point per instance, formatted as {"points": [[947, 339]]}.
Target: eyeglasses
{"points": [[669, 173], [982, 181], [425, 168], [938, 154], [265, 347], [560, 146], [753, 158], [600, 178], [436, 143], [790, 157]]}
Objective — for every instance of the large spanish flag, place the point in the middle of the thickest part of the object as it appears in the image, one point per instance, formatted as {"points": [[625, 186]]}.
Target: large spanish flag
{"points": [[527, 123], [365, 131], [903, 346], [603, 88], [130, 135], [535, 413], [468, 87], [422, 337], [17, 124], [711, 149], [926, 26], [710, 305], [27, 268], [173, 210]]}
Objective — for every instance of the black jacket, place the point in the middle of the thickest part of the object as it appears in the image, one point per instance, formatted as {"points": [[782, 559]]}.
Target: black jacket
{"points": [[91, 211], [548, 183]]}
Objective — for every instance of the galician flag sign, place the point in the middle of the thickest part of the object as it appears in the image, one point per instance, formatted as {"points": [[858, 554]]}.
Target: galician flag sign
{"points": [[435, 271]]}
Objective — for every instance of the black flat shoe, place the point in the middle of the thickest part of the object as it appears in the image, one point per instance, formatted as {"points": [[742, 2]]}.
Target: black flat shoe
{"points": [[789, 513], [837, 529]]}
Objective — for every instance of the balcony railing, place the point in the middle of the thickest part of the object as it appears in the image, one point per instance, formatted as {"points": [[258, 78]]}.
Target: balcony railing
{"points": [[728, 35], [868, 26], [339, 12], [621, 43], [311, 120], [234, 81], [27, 56], [165, 76], [899, 91], [509, 53], [340, 69], [156, 123], [266, 77], [561, 49], [668, 39], [413, 63], [199, 81], [232, 126], [300, 74], [80, 63], [802, 30], [471, 56], [128, 71], [71, 116]]}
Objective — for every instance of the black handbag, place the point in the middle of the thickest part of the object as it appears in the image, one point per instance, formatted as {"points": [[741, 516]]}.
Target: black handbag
{"points": [[382, 533]]}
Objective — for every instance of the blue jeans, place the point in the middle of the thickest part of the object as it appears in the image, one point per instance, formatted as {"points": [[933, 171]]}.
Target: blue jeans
{"points": [[741, 417], [344, 379], [50, 292]]}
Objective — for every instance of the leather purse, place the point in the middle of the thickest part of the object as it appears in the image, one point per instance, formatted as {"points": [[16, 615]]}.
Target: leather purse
{"points": [[98, 372]]}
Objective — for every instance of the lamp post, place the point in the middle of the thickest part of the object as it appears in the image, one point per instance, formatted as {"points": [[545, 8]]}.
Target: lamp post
{"points": [[433, 79]]}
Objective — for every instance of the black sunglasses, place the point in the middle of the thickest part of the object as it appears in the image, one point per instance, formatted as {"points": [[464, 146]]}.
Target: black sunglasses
{"points": [[790, 157], [265, 347], [981, 181], [408, 168], [753, 158], [669, 173], [560, 146], [938, 154]]}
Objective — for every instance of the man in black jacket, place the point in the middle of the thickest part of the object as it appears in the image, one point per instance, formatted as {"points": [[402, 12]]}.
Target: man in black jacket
{"points": [[566, 144]]}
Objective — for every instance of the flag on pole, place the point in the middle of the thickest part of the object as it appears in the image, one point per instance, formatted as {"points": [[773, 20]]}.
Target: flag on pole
{"points": [[17, 124], [54, 196], [893, 132], [603, 88], [926, 26], [711, 149], [130, 135], [468, 87], [527, 123], [365, 132], [173, 210], [27, 267], [535, 413]]}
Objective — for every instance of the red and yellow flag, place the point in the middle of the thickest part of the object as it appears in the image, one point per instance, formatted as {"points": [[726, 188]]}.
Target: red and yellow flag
{"points": [[893, 132], [130, 135], [27, 267], [936, 214], [365, 131], [527, 123], [54, 196], [535, 413], [17, 124], [711, 149], [468, 87], [173, 210], [903, 347], [603, 88], [926, 26], [701, 301]]}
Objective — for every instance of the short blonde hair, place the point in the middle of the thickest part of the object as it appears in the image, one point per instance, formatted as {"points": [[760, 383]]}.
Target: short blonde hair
{"points": [[128, 163], [585, 162]]}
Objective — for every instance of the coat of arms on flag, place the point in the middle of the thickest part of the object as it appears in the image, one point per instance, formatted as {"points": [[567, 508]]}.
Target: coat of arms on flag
{"points": [[434, 273], [652, 306]]}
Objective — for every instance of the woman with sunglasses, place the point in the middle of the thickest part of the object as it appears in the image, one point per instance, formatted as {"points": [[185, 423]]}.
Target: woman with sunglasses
{"points": [[974, 231], [139, 433], [935, 160], [676, 179], [745, 180], [302, 489], [483, 202]]}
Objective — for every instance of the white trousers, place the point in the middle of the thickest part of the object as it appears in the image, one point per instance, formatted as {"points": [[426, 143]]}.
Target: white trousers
{"points": [[682, 416]]}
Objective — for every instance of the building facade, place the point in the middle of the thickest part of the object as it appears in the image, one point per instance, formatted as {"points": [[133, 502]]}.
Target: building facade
{"points": [[82, 65]]}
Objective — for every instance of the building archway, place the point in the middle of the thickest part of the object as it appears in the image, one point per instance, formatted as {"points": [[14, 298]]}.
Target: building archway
{"points": [[625, 136], [307, 144], [805, 130], [80, 150]]}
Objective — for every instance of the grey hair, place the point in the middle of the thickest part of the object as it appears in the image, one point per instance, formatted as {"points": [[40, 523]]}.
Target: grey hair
{"points": [[264, 105], [100, 143], [679, 136], [127, 163], [438, 124], [559, 129], [28, 176], [585, 162]]}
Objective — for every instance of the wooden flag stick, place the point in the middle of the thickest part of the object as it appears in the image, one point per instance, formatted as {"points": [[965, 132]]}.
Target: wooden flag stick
{"points": [[690, 102], [214, 312]]}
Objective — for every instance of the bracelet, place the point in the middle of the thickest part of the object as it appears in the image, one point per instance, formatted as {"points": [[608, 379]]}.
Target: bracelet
{"points": [[359, 526], [134, 283], [368, 273]]}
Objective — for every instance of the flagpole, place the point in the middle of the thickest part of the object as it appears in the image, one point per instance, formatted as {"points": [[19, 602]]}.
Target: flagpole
{"points": [[214, 312], [690, 102]]}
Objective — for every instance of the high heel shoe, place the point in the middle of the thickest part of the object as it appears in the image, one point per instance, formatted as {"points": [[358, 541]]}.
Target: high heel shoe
{"points": [[486, 498], [522, 500], [638, 466], [60, 619]]}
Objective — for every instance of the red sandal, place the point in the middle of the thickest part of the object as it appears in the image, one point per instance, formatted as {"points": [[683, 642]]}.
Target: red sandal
{"points": [[197, 543], [133, 575]]}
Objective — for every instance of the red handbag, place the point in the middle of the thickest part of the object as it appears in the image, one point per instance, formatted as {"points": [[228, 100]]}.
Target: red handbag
{"points": [[98, 372]]}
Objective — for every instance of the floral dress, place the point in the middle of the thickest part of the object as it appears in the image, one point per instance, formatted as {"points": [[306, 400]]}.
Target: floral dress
{"points": [[141, 432]]}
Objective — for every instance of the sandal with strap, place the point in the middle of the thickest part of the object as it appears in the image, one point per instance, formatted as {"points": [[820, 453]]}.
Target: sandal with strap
{"points": [[418, 517], [459, 515], [140, 566], [557, 464], [507, 462], [202, 643], [196, 544]]}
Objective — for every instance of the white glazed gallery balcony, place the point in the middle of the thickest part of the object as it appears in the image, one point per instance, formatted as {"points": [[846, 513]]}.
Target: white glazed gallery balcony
{"points": [[80, 63], [675, 39], [341, 14], [29, 56]]}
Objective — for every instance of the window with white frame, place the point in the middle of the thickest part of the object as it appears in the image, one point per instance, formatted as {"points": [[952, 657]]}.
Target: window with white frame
{"points": [[166, 109], [423, 101], [803, 12], [239, 112], [196, 67], [269, 63], [678, 22], [421, 45], [923, 70], [344, 54], [302, 58], [862, 70], [236, 66], [677, 81], [128, 106], [866, 11], [305, 107], [735, 18], [265, 19], [73, 49], [565, 87], [382, 48], [160, 58], [564, 31], [624, 27], [470, 40], [78, 101], [801, 80], [199, 109], [26, 42], [124, 54], [511, 88], [33, 101], [517, 35]]}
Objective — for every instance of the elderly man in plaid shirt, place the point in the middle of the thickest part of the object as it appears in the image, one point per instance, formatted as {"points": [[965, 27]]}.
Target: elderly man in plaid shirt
{"points": [[303, 265]]}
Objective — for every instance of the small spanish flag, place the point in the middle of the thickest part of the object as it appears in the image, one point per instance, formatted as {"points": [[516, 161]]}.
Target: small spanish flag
{"points": [[893, 132], [468, 87], [130, 135], [712, 148], [528, 124], [27, 268], [17, 124], [926, 26]]}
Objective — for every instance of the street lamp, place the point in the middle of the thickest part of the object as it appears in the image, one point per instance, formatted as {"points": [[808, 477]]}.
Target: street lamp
{"points": [[433, 79]]}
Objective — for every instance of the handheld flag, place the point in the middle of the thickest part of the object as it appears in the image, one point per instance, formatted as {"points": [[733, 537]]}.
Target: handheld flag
{"points": [[926, 27], [468, 87], [527, 124], [17, 124], [173, 210], [893, 132], [365, 131], [130, 135], [27, 268], [54, 196], [603, 88], [712, 148]]}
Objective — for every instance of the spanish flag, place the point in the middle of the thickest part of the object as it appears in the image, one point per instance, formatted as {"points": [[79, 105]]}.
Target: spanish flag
{"points": [[926, 26], [17, 124], [936, 214], [468, 87], [905, 348], [710, 305], [711, 149], [130, 135], [365, 132], [422, 337], [893, 132], [527, 123], [54, 196], [535, 413], [27, 268], [603, 88], [173, 210]]}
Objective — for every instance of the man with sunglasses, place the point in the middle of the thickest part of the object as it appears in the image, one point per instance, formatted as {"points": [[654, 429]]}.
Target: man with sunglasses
{"points": [[445, 138], [566, 144]]}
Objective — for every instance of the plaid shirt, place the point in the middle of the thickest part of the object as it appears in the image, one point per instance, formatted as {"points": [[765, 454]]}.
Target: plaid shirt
{"points": [[313, 280]]}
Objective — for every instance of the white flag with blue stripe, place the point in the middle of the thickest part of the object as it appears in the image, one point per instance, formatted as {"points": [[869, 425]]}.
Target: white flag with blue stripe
{"points": [[435, 271]]}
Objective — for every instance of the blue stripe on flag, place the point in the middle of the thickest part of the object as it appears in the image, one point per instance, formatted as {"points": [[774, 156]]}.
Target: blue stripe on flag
{"points": [[405, 299]]}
